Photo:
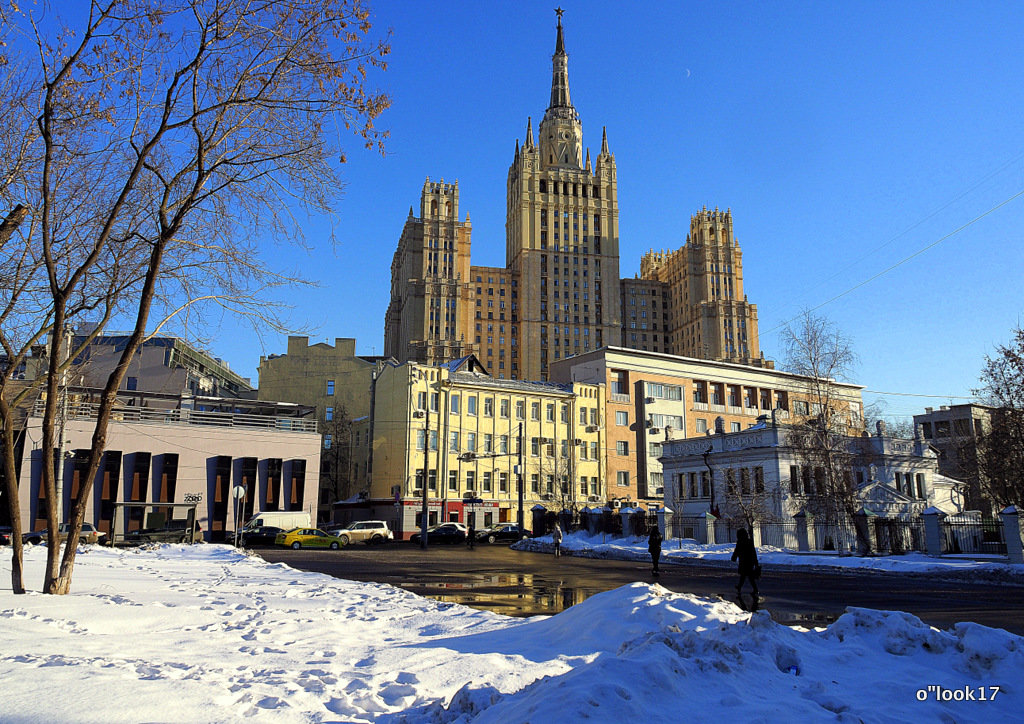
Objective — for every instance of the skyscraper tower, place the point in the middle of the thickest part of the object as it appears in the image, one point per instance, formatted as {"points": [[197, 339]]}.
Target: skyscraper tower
{"points": [[562, 235], [429, 315]]}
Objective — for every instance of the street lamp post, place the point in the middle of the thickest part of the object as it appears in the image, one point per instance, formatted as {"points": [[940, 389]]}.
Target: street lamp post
{"points": [[711, 478]]}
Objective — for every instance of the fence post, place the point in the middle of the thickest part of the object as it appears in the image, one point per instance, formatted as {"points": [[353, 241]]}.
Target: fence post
{"points": [[663, 514], [709, 527], [1011, 533], [933, 530], [803, 541]]}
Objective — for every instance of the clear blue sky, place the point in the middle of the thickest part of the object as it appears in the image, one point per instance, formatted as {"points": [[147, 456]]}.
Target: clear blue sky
{"points": [[845, 137]]}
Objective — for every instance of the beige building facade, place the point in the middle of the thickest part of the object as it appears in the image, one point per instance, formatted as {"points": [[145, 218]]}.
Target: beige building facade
{"points": [[165, 449], [337, 383], [652, 398], [466, 436]]}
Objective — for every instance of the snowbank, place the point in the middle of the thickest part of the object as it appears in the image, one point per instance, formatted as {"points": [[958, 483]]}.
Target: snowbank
{"points": [[204, 633]]}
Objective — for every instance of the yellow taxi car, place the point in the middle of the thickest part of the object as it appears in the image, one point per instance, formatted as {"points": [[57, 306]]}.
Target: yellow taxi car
{"points": [[308, 538]]}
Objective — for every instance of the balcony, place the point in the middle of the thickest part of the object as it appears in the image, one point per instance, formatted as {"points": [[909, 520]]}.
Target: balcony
{"points": [[619, 397]]}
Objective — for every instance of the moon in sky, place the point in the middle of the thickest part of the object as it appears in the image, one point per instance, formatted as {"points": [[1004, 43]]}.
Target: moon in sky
{"points": [[687, 72]]}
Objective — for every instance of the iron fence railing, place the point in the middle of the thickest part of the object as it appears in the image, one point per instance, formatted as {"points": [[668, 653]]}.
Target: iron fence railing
{"points": [[155, 416], [975, 535]]}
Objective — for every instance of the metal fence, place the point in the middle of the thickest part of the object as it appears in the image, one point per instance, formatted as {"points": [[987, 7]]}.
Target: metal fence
{"points": [[975, 535], [897, 536], [779, 535]]}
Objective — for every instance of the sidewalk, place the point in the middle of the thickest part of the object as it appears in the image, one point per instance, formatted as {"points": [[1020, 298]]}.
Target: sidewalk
{"points": [[981, 568]]}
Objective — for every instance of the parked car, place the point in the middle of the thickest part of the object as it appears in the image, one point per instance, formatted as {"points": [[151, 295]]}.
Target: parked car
{"points": [[444, 533], [502, 533], [308, 538], [265, 535], [5, 535], [88, 535], [174, 531], [365, 531]]}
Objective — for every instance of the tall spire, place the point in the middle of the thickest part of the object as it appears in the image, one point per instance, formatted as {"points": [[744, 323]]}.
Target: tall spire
{"points": [[560, 70], [604, 140], [529, 132]]}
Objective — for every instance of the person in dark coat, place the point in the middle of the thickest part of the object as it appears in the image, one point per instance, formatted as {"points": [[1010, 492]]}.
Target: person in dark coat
{"points": [[471, 536], [556, 538], [746, 554], [654, 546]]}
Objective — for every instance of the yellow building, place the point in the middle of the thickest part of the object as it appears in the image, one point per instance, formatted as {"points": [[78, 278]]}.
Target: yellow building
{"points": [[467, 436]]}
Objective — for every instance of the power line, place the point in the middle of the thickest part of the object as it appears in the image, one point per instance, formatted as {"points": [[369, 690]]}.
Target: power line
{"points": [[915, 394], [903, 261]]}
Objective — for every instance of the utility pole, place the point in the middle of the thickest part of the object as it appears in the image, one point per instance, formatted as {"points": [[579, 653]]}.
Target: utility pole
{"points": [[426, 465], [519, 482]]}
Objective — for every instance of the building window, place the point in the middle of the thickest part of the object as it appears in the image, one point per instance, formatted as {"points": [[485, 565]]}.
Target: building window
{"points": [[534, 410], [520, 410], [622, 478], [800, 407], [487, 482], [329, 414], [503, 482], [622, 447], [488, 407], [488, 442], [327, 441], [534, 446], [471, 404], [550, 412], [734, 427], [470, 480], [534, 483], [453, 480], [702, 425], [421, 439], [504, 407], [453, 441], [471, 442], [622, 418], [455, 404], [330, 387]]}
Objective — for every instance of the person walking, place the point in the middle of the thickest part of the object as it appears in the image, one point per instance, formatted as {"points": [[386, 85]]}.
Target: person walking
{"points": [[746, 554], [654, 546], [556, 538], [471, 536]]}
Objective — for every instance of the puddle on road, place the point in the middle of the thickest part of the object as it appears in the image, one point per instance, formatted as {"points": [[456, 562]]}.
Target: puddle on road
{"points": [[511, 595]]}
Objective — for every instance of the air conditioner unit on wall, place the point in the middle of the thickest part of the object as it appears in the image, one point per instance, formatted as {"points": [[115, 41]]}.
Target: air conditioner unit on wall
{"points": [[592, 428], [649, 400], [616, 504], [654, 431], [419, 413]]}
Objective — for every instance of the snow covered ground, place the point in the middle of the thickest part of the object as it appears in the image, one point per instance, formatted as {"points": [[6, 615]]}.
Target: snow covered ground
{"points": [[207, 634], [634, 548]]}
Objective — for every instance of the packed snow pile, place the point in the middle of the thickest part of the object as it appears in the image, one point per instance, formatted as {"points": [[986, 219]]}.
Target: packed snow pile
{"points": [[204, 633], [635, 548]]}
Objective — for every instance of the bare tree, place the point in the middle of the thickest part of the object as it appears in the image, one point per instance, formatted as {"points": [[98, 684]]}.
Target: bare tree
{"points": [[154, 143], [337, 460], [746, 501], [1000, 450], [822, 355]]}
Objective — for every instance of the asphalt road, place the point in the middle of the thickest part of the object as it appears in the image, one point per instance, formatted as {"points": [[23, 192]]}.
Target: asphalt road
{"points": [[522, 584]]}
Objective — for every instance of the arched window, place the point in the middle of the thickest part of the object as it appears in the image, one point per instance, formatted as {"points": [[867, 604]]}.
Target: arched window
{"points": [[543, 187], [433, 207], [448, 209]]}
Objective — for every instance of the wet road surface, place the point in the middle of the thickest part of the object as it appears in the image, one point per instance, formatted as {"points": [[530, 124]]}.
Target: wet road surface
{"points": [[525, 584]]}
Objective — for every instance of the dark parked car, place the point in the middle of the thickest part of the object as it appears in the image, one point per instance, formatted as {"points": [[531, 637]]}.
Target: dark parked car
{"points": [[175, 531], [502, 533], [262, 536], [5, 535], [444, 533]]}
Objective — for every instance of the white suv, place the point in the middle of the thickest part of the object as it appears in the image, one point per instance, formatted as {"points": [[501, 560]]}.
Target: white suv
{"points": [[367, 531]]}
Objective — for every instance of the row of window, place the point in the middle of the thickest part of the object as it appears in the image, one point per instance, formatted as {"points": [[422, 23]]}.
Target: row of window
{"points": [[488, 482]]}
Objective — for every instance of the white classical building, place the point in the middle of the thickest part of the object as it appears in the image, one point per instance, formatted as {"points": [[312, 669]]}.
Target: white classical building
{"points": [[895, 478]]}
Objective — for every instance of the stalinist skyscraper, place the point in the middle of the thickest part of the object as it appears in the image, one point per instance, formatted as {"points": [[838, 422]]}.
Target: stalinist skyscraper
{"points": [[562, 234], [559, 293]]}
